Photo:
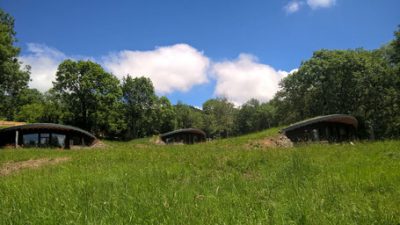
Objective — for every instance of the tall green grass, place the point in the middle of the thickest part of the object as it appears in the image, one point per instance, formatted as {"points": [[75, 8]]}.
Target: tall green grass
{"points": [[222, 182]]}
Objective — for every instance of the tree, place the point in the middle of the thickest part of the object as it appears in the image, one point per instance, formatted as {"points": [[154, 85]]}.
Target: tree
{"points": [[218, 117], [394, 56], [139, 102], [31, 113], [188, 116], [29, 96], [13, 79], [247, 118], [91, 97], [30, 106], [267, 115], [391, 53], [356, 82], [165, 116]]}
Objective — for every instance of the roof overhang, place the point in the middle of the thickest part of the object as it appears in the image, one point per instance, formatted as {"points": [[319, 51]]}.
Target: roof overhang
{"points": [[333, 118], [47, 126], [183, 131]]}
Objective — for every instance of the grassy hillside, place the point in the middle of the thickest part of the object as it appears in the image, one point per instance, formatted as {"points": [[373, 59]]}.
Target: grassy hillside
{"points": [[222, 182]]}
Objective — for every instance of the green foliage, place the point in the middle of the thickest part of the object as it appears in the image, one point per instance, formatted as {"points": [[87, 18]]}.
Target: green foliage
{"points": [[55, 111], [29, 96], [218, 117], [188, 116], [139, 101], [165, 116], [91, 96], [31, 113], [13, 79], [395, 48], [31, 106], [362, 83], [254, 116], [356, 82], [132, 183]]}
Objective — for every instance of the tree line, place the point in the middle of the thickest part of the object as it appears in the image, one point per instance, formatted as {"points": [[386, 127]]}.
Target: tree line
{"points": [[365, 84], [362, 83]]}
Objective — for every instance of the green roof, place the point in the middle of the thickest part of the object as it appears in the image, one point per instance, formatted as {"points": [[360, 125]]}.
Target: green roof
{"points": [[333, 118], [50, 126], [186, 130]]}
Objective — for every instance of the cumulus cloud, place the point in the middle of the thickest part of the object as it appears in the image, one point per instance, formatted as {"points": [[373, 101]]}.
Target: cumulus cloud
{"points": [[171, 68], [44, 62], [293, 7], [315, 4], [293, 71], [245, 78]]}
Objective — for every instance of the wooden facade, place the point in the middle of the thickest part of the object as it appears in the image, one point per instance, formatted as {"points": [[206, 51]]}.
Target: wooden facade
{"points": [[45, 135], [184, 136], [331, 128]]}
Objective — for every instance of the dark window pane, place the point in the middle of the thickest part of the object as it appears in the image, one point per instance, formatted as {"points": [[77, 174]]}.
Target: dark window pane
{"points": [[30, 139], [45, 135], [77, 140], [44, 140], [58, 140]]}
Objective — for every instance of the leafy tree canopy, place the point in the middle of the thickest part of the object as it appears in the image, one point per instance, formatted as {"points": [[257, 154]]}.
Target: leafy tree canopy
{"points": [[92, 97], [13, 79]]}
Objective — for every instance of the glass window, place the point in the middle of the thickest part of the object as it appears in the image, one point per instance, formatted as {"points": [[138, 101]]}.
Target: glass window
{"points": [[58, 140], [44, 135], [76, 140], [45, 139], [30, 139]]}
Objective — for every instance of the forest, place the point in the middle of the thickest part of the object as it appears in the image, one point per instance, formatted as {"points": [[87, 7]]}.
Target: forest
{"points": [[363, 83]]}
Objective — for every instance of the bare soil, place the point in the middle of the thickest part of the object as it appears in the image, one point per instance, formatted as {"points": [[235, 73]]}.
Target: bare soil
{"points": [[13, 167], [279, 141], [10, 123], [98, 144]]}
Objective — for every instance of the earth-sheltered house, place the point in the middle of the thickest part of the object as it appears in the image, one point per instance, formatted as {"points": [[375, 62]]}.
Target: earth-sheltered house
{"points": [[185, 136], [331, 128], [45, 135]]}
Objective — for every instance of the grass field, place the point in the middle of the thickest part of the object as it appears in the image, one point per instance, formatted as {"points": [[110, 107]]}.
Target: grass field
{"points": [[222, 182]]}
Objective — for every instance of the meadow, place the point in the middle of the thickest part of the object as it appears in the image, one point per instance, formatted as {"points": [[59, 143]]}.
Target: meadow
{"points": [[222, 182]]}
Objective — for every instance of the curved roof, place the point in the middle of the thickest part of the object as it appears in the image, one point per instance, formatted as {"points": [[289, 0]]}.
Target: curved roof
{"points": [[333, 118], [186, 130], [50, 126]]}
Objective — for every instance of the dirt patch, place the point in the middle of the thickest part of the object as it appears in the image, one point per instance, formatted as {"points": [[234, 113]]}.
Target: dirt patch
{"points": [[280, 141], [98, 144], [157, 140], [10, 123], [12, 167]]}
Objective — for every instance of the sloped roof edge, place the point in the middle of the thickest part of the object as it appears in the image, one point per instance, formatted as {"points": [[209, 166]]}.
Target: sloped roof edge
{"points": [[47, 126], [186, 130], [338, 118]]}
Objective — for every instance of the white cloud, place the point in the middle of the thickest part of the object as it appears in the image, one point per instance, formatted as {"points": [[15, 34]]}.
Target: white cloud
{"points": [[315, 4], [44, 62], [293, 71], [245, 78], [293, 6], [171, 68]]}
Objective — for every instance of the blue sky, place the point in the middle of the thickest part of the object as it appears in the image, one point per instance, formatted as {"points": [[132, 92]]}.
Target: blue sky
{"points": [[196, 50]]}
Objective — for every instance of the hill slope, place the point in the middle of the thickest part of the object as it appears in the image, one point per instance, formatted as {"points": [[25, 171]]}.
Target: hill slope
{"points": [[212, 183]]}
